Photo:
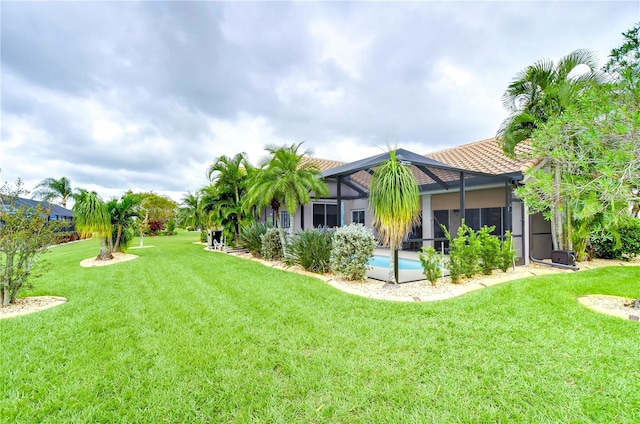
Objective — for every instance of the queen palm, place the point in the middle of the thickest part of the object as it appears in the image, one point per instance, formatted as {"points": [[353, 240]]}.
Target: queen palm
{"points": [[543, 90], [395, 203], [90, 216], [51, 189], [284, 179]]}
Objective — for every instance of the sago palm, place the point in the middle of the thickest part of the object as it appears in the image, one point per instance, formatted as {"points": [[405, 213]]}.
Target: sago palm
{"points": [[394, 201]]}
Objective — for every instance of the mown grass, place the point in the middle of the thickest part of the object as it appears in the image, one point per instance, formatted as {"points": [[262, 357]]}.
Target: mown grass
{"points": [[184, 335]]}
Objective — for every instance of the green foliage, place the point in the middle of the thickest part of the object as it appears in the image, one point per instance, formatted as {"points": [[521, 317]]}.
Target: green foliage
{"points": [[284, 179], [473, 251], [619, 242], [25, 235], [51, 189], [489, 249], [91, 215], [251, 236], [542, 91], [507, 253], [431, 262], [353, 246], [170, 227], [395, 202], [311, 249], [203, 236], [464, 253], [271, 244]]}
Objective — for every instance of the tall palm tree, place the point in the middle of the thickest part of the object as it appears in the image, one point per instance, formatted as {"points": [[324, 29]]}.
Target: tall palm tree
{"points": [[122, 213], [51, 189], [395, 202], [283, 179], [229, 177], [91, 216], [542, 90]]}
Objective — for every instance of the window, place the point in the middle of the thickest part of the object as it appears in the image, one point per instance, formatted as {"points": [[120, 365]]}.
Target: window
{"points": [[357, 217], [493, 216], [325, 215], [285, 220], [440, 218]]}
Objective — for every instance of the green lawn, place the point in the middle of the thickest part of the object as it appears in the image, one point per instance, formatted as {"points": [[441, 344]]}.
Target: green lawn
{"points": [[181, 335]]}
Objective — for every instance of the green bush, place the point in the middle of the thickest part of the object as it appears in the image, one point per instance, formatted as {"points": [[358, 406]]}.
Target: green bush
{"points": [[489, 250], [203, 236], [431, 262], [271, 245], [621, 242], [250, 237], [170, 227], [464, 253], [311, 249], [507, 254], [352, 248]]}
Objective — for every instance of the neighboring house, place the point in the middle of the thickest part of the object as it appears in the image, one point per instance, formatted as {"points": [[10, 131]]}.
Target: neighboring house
{"points": [[56, 213], [473, 182]]}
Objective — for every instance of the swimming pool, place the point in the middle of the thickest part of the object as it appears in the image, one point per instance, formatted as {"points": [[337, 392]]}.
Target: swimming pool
{"points": [[383, 262]]}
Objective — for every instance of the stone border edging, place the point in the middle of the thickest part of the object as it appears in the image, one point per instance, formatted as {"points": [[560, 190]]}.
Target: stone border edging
{"points": [[589, 303], [56, 300]]}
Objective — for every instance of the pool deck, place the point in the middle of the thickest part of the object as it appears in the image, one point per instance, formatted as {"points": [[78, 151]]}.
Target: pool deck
{"points": [[404, 275]]}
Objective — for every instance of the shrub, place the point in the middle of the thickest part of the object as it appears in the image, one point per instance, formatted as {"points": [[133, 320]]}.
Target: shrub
{"points": [[431, 262], [489, 249], [203, 236], [464, 253], [154, 227], [352, 248], [620, 242], [271, 245], [507, 254], [311, 249], [250, 236], [170, 227]]}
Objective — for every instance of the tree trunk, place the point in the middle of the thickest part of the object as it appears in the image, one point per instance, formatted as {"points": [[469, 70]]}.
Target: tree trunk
{"points": [[115, 248], [105, 254], [393, 260], [283, 241], [557, 210], [6, 283]]}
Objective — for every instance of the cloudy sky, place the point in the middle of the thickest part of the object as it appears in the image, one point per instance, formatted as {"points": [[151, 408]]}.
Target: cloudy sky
{"points": [[144, 96]]}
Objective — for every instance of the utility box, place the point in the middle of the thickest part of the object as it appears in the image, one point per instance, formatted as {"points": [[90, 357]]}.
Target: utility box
{"points": [[564, 257]]}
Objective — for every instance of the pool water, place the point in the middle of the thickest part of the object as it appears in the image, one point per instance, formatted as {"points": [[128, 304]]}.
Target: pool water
{"points": [[383, 262]]}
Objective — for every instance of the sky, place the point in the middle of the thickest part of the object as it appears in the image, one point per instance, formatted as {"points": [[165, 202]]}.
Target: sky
{"points": [[146, 95]]}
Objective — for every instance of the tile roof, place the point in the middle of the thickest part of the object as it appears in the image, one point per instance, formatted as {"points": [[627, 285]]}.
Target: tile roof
{"points": [[486, 156]]}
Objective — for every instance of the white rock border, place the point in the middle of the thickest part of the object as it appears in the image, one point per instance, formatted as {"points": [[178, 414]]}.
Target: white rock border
{"points": [[49, 302]]}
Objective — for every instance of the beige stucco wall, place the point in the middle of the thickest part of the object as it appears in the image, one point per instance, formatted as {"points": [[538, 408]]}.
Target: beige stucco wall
{"points": [[488, 198]]}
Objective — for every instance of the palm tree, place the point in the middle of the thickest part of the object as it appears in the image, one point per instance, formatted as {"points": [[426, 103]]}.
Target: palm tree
{"points": [[283, 179], [537, 93], [542, 90], [91, 216], [191, 214], [395, 202], [229, 177], [122, 213], [50, 189]]}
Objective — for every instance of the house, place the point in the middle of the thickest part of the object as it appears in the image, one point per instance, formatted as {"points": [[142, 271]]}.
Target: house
{"points": [[56, 213], [474, 182]]}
